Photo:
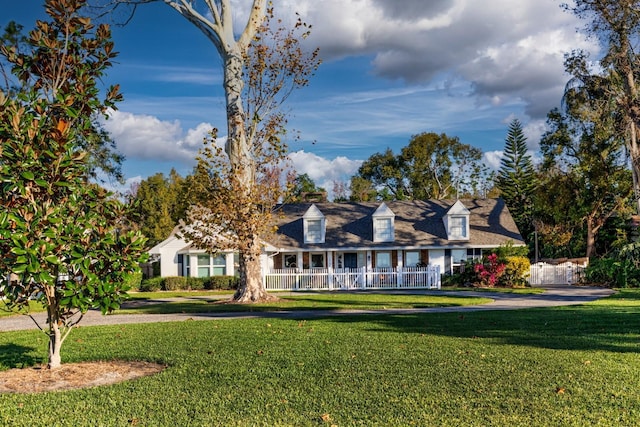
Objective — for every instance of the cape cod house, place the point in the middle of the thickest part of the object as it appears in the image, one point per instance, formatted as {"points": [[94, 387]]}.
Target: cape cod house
{"points": [[395, 244]]}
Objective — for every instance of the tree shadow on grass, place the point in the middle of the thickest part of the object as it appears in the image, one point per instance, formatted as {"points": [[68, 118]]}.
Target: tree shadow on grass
{"points": [[17, 356], [614, 329]]}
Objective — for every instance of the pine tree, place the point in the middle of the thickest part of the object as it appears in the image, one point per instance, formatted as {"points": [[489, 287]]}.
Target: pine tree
{"points": [[517, 178]]}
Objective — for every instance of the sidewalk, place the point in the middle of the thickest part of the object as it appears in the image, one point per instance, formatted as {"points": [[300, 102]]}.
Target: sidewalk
{"points": [[553, 296]]}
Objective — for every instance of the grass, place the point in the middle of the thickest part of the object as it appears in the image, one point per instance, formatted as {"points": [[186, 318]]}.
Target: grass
{"points": [[306, 301], [569, 366]]}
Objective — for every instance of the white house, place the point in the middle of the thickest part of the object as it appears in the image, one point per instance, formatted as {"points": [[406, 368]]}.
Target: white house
{"points": [[361, 238]]}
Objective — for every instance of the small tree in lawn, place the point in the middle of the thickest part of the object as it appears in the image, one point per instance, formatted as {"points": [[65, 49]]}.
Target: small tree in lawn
{"points": [[62, 240]]}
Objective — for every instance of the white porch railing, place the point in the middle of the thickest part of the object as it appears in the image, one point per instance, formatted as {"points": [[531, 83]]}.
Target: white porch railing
{"points": [[561, 274], [353, 278]]}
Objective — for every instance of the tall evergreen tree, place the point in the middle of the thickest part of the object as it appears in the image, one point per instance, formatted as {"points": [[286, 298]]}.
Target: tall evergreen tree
{"points": [[517, 178]]}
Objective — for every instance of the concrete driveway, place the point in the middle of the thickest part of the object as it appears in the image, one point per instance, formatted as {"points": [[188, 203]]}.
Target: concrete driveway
{"points": [[557, 295]]}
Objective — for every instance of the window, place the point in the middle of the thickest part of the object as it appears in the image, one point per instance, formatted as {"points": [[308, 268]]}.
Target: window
{"points": [[212, 265], [383, 259], [203, 266], [317, 260], [411, 259], [290, 261], [458, 226], [314, 225], [474, 254], [219, 264], [383, 230], [314, 230]]}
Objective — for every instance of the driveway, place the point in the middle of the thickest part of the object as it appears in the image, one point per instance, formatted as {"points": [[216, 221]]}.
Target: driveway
{"points": [[553, 296]]}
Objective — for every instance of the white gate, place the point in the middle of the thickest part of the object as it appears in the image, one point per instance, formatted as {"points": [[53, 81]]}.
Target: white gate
{"points": [[562, 274]]}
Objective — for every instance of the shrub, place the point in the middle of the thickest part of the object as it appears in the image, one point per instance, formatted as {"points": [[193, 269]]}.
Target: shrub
{"points": [[489, 273], [516, 271], [133, 280], [151, 285], [196, 283], [174, 283], [612, 272], [222, 282], [508, 250]]}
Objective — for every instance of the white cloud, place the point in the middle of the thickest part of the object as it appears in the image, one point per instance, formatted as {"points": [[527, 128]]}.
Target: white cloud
{"points": [[493, 159], [507, 52], [144, 137], [324, 171]]}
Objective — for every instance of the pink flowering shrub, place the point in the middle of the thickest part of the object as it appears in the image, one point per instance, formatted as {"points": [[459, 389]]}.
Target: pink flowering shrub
{"points": [[488, 274]]}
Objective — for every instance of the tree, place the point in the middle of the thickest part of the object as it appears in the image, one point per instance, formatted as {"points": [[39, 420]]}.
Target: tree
{"points": [[262, 67], [617, 25], [517, 178], [303, 184], [361, 190], [158, 205], [62, 239], [582, 151], [430, 166], [385, 173]]}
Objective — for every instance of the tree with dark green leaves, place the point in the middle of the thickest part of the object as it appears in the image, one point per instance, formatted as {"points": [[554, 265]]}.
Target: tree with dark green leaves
{"points": [[158, 204], [384, 172], [302, 186], [585, 150], [63, 240], [517, 178], [616, 24], [431, 166]]}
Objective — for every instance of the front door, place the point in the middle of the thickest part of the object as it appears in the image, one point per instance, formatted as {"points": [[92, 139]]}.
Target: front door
{"points": [[350, 260]]}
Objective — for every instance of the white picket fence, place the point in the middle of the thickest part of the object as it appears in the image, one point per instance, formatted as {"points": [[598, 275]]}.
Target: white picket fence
{"points": [[562, 274], [354, 278]]}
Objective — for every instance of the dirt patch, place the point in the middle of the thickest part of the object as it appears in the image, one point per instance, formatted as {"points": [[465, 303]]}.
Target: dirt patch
{"points": [[71, 376]]}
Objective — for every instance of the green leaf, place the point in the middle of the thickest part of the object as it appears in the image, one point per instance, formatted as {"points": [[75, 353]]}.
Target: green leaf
{"points": [[52, 259], [28, 175]]}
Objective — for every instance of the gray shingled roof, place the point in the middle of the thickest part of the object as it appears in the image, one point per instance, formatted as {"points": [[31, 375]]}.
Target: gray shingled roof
{"points": [[417, 224]]}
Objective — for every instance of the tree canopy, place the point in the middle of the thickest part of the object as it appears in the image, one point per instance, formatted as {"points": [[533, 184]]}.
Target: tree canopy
{"points": [[63, 241]]}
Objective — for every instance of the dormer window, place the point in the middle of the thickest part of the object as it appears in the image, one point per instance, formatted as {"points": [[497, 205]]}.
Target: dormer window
{"points": [[456, 222], [314, 225], [458, 227], [383, 224]]}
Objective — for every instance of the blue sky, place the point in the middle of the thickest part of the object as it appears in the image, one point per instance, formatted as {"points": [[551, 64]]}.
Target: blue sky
{"points": [[392, 69]]}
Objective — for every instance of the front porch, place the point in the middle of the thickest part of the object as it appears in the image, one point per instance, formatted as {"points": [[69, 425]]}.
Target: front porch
{"points": [[353, 278]]}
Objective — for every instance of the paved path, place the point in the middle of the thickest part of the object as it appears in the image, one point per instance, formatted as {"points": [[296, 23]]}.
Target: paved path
{"points": [[552, 297]]}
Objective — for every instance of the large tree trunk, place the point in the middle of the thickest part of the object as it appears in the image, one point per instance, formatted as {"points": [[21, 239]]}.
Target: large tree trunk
{"points": [[251, 287], [242, 160]]}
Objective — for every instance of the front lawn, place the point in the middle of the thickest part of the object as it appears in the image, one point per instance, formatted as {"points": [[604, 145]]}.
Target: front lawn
{"points": [[300, 301], [569, 366]]}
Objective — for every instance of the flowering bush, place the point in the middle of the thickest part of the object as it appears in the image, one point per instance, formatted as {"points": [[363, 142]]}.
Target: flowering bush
{"points": [[489, 273]]}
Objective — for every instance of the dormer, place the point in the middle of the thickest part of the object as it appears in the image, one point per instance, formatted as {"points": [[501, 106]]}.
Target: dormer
{"points": [[456, 222], [383, 224], [314, 225]]}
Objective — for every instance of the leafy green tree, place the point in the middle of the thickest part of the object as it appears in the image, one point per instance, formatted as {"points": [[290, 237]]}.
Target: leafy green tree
{"points": [[616, 23], [584, 149], [385, 173], [431, 166], [158, 205], [361, 190], [517, 178], [303, 184], [62, 239], [103, 158]]}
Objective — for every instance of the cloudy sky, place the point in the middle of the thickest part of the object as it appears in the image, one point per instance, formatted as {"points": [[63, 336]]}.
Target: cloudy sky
{"points": [[391, 69]]}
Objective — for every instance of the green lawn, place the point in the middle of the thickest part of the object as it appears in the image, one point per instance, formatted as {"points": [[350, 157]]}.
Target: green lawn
{"points": [[300, 301], [571, 366]]}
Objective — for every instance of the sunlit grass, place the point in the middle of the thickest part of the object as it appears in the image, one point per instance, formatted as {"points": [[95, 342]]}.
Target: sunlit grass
{"points": [[311, 301], [569, 366]]}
